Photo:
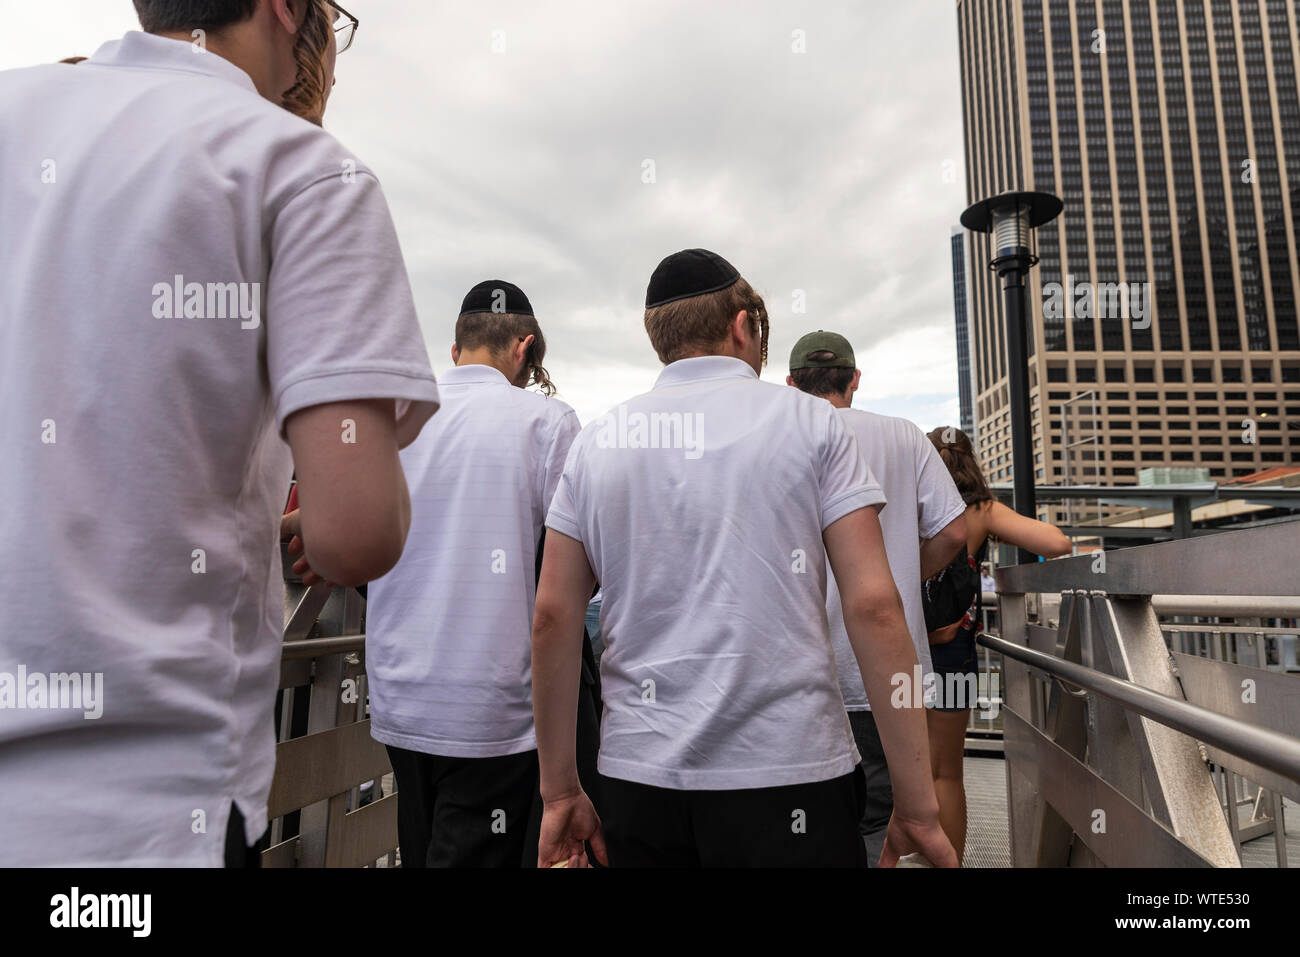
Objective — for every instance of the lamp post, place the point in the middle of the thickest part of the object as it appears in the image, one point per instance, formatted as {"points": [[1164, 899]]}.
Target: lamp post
{"points": [[1011, 218]]}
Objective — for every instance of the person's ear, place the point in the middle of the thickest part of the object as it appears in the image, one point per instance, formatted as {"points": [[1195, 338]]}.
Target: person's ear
{"points": [[857, 378], [521, 359], [740, 333], [522, 347], [289, 13], [455, 354], [789, 380]]}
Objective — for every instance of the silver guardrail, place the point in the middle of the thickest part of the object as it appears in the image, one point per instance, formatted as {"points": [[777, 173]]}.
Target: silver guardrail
{"points": [[1268, 749], [1113, 742]]}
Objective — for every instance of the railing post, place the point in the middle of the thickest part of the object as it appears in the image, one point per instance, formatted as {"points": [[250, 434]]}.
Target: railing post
{"points": [[1025, 806], [340, 616], [1177, 781]]}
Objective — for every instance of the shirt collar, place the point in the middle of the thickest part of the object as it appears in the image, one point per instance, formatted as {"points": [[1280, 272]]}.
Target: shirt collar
{"points": [[146, 51], [461, 375], [699, 368]]}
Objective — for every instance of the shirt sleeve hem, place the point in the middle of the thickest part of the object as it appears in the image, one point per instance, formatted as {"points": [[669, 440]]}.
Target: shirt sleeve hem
{"points": [[563, 524], [850, 501], [937, 527], [416, 393]]}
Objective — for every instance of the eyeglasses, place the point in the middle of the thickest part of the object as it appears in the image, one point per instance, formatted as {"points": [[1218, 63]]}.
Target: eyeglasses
{"points": [[345, 27]]}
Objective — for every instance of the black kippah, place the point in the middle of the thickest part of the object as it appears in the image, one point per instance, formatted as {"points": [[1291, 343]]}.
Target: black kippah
{"points": [[496, 296], [691, 272]]}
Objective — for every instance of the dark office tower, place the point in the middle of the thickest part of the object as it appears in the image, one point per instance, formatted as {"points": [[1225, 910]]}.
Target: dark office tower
{"points": [[1171, 129], [960, 289]]}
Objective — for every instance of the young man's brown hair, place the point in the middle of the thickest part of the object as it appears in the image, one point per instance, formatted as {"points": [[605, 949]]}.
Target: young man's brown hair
{"points": [[688, 326], [498, 332]]}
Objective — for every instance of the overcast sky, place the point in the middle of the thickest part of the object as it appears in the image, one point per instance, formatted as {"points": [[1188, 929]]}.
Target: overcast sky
{"points": [[822, 171]]}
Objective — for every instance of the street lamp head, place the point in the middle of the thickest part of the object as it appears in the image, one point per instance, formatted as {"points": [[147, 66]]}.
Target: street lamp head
{"points": [[1011, 217]]}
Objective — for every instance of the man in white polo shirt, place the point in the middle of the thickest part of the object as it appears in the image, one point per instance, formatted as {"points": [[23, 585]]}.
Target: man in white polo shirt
{"points": [[192, 277], [707, 508], [924, 528], [447, 644]]}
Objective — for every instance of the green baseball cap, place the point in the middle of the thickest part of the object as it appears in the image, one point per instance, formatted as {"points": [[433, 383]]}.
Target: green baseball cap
{"points": [[820, 341]]}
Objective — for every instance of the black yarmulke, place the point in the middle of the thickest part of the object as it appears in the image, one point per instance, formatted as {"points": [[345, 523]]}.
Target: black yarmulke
{"points": [[691, 272], [496, 296]]}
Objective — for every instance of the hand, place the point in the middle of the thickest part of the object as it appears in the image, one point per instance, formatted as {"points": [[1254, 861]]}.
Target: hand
{"points": [[566, 824], [941, 636], [909, 835], [291, 531]]}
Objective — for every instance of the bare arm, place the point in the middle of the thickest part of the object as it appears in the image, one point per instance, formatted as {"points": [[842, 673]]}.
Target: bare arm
{"points": [[938, 552], [1028, 533], [354, 509], [873, 616], [562, 593], [568, 818]]}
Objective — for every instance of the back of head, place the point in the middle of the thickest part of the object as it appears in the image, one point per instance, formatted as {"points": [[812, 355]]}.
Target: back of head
{"points": [[173, 16], [311, 49], [958, 454], [691, 301], [822, 364], [495, 315]]}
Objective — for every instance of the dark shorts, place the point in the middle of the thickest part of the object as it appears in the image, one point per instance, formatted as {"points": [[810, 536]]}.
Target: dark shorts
{"points": [[800, 825], [956, 672]]}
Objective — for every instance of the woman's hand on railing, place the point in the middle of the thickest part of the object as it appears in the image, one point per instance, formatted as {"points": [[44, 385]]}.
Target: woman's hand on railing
{"points": [[291, 531]]}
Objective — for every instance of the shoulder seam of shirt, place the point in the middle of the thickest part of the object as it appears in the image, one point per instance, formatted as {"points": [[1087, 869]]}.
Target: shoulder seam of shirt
{"points": [[560, 420], [323, 178]]}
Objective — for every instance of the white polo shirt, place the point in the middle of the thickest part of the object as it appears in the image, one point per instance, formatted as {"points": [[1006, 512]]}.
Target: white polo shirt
{"points": [[449, 629], [701, 506], [142, 465], [923, 500]]}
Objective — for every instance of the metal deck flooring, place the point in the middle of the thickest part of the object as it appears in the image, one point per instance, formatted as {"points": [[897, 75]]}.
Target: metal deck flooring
{"points": [[987, 840]]}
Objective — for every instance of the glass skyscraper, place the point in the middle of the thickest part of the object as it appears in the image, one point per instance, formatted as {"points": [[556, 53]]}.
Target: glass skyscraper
{"points": [[1171, 129]]}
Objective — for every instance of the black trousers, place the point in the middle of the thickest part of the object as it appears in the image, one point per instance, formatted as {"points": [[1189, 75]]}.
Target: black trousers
{"points": [[417, 799], [799, 825], [463, 812], [879, 805], [239, 854]]}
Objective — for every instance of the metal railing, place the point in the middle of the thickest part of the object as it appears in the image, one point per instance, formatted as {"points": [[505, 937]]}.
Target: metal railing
{"points": [[1113, 741], [984, 727], [325, 806]]}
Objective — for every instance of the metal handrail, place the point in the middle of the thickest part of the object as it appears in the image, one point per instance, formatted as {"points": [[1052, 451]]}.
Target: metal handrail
{"points": [[1228, 606], [1216, 606], [1268, 749], [316, 647]]}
